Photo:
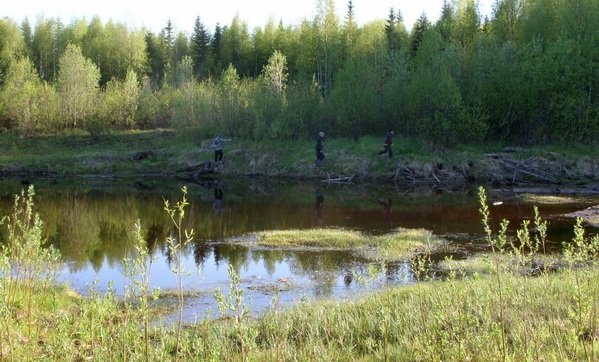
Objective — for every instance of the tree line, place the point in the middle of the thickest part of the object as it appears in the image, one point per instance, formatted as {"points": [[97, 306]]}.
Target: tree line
{"points": [[526, 74]]}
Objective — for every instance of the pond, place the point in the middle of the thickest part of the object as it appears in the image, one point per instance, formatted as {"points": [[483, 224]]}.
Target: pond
{"points": [[91, 221]]}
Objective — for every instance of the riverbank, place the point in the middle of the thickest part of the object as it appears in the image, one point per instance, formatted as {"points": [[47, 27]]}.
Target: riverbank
{"points": [[493, 318], [166, 153]]}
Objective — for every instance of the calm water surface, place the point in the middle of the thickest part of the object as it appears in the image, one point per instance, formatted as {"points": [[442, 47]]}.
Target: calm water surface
{"points": [[91, 222]]}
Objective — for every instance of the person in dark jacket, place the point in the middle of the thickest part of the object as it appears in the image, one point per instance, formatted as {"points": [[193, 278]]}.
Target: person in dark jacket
{"points": [[217, 146], [319, 148], [388, 143]]}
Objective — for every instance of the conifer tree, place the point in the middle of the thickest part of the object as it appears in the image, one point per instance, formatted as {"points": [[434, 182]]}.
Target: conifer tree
{"points": [[200, 49]]}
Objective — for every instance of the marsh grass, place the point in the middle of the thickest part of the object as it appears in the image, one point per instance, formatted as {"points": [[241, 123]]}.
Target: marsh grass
{"points": [[498, 314], [329, 238], [547, 199], [395, 246]]}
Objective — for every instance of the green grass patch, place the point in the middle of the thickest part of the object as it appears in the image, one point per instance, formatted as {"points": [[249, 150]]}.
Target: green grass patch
{"points": [[484, 264], [329, 238], [547, 199], [398, 245]]}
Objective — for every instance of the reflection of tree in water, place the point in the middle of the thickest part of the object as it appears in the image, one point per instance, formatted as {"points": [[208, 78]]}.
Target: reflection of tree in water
{"points": [[270, 258], [201, 251], [324, 283], [155, 237], [235, 255], [94, 228], [307, 262], [323, 267]]}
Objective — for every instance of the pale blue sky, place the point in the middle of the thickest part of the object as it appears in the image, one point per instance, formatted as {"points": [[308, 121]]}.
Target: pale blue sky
{"points": [[154, 14]]}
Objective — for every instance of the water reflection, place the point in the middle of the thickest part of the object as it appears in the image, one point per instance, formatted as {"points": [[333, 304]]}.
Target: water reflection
{"points": [[92, 225], [319, 202], [218, 199]]}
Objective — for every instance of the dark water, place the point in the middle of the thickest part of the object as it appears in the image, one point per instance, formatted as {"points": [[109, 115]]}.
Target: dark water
{"points": [[91, 222]]}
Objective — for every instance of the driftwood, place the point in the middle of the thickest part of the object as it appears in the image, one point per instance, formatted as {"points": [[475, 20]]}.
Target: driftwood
{"points": [[339, 179], [521, 168], [198, 171]]}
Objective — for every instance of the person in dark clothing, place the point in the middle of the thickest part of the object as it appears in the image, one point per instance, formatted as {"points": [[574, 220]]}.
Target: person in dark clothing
{"points": [[388, 143], [319, 148], [217, 146]]}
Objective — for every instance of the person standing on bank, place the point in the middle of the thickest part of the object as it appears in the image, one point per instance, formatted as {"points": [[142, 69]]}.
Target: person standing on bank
{"points": [[319, 148], [388, 143], [217, 146]]}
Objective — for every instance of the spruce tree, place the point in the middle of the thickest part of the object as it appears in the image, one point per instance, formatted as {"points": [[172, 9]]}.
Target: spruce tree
{"points": [[200, 49]]}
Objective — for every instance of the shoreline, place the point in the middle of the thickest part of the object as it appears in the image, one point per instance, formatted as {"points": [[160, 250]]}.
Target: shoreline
{"points": [[180, 155]]}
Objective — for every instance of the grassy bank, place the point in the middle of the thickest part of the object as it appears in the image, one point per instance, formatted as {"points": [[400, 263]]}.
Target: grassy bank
{"points": [[399, 245], [165, 152], [551, 317]]}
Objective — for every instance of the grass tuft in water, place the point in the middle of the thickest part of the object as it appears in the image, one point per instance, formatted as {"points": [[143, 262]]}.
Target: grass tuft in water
{"points": [[398, 245]]}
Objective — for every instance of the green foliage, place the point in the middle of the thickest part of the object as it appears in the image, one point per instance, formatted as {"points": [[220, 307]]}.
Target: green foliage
{"points": [[275, 73], [12, 45], [354, 99], [25, 100], [120, 102], [526, 75], [78, 86]]}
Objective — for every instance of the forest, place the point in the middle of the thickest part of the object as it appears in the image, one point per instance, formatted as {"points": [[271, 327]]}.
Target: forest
{"points": [[527, 74]]}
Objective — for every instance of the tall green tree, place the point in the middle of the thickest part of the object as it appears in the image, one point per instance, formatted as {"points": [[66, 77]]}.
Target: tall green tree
{"points": [[350, 28], [421, 26], [446, 23], [157, 59], [507, 15], [329, 51], [27, 32], [20, 95], [78, 82], [275, 73], [216, 65], [356, 98], [119, 108], [199, 48], [180, 47], [12, 45], [395, 31], [236, 47], [467, 24]]}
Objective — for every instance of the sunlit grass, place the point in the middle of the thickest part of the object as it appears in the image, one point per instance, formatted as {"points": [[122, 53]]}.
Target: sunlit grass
{"points": [[331, 238], [547, 199], [482, 264], [397, 245]]}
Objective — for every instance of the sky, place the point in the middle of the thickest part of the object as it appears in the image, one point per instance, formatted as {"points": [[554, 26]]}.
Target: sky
{"points": [[182, 13]]}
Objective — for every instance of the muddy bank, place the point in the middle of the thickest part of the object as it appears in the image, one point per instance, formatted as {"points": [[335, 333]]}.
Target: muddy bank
{"points": [[589, 215], [509, 169]]}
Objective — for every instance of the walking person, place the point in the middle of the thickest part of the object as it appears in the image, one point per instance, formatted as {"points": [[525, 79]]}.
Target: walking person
{"points": [[319, 148], [388, 143]]}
